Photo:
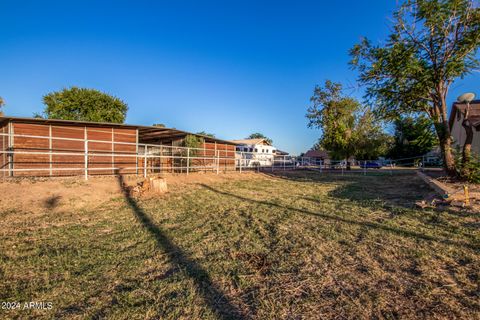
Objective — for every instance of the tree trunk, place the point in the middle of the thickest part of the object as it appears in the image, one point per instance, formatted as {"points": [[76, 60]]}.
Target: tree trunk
{"points": [[442, 128], [443, 133], [448, 160]]}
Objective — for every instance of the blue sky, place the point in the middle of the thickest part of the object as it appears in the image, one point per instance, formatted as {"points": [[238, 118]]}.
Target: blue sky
{"points": [[227, 67]]}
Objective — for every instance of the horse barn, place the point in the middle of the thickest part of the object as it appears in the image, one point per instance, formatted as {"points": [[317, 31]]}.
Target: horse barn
{"points": [[46, 147]]}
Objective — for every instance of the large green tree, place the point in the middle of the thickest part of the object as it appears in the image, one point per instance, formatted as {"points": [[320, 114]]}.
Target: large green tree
{"points": [[258, 135], [348, 128], [370, 139], [414, 136], [432, 43], [84, 105]]}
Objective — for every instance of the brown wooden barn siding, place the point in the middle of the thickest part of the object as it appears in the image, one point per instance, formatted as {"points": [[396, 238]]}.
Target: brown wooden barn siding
{"points": [[200, 160], [105, 142], [226, 154]]}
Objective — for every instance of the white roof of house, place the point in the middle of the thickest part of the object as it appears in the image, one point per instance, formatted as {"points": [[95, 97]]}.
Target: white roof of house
{"points": [[251, 141]]}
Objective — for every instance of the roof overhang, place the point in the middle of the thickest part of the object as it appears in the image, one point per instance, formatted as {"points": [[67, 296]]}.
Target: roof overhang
{"points": [[145, 132]]}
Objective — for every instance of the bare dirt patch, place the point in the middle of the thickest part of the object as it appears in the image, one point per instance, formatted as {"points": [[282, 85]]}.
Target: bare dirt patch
{"points": [[41, 194]]}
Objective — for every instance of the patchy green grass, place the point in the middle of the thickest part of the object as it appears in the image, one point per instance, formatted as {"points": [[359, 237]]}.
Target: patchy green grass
{"points": [[301, 245]]}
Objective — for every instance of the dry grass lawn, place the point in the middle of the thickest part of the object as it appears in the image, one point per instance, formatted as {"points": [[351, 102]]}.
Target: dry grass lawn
{"points": [[300, 245]]}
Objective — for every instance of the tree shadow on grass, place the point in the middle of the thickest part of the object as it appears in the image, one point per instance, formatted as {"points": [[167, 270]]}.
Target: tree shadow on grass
{"points": [[371, 225], [399, 190], [212, 295]]}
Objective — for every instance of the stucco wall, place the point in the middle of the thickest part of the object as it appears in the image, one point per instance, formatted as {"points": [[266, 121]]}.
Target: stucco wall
{"points": [[458, 134]]}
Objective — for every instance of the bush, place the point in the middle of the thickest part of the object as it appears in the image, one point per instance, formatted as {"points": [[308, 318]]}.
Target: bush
{"points": [[470, 171]]}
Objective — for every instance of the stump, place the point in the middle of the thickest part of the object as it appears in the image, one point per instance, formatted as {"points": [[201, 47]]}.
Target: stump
{"points": [[158, 185]]}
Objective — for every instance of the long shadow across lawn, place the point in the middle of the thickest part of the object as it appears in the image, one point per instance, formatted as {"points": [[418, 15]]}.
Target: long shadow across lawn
{"points": [[371, 225], [379, 188], [212, 295]]}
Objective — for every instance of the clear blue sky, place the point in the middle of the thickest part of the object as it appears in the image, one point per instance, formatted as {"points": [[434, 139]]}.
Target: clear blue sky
{"points": [[228, 67]]}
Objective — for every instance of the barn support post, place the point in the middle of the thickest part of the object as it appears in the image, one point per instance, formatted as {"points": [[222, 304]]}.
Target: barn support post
{"points": [[50, 148], [216, 156], [321, 166], [284, 162], [136, 152], [218, 160], [4, 155], [113, 157], [188, 161], [160, 160], [86, 153], [10, 149], [145, 161]]}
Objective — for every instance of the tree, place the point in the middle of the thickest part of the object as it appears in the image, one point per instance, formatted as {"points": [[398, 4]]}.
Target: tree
{"points": [[414, 136], [432, 43], [370, 140], [84, 105], [160, 125], [258, 135], [334, 113], [348, 128], [203, 133]]}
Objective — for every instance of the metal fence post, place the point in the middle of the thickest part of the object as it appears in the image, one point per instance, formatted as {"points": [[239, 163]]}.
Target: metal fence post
{"points": [[364, 167], [10, 150], [50, 158], [284, 162], [188, 160], [86, 159], [241, 160], [218, 160], [145, 161]]}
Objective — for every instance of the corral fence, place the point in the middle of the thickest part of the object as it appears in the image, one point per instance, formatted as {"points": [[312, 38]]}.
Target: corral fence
{"points": [[339, 166], [60, 156]]}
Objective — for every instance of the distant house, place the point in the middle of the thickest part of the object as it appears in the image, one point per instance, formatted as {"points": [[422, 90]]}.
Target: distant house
{"points": [[279, 152], [255, 152], [456, 128], [317, 157]]}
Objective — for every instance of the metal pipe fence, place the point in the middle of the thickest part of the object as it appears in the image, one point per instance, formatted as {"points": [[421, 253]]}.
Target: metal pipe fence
{"points": [[96, 157]]}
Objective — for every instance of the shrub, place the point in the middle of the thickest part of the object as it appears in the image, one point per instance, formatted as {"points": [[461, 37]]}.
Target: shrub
{"points": [[470, 170]]}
